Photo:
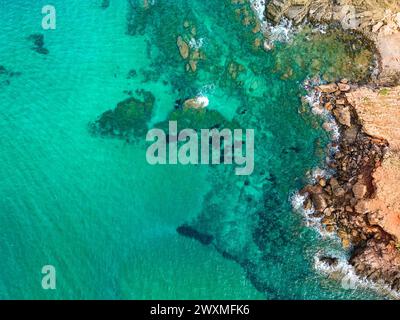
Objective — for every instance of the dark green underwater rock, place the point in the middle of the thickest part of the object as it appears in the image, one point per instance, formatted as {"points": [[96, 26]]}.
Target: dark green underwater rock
{"points": [[190, 232], [128, 119], [6, 75], [38, 43]]}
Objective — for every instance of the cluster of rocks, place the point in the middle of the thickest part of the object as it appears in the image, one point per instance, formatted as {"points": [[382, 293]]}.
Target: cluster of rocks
{"points": [[387, 25], [379, 261], [340, 200], [233, 74], [189, 49], [38, 43]]}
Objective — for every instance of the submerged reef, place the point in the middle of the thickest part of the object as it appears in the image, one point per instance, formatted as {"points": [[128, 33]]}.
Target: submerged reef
{"points": [[128, 120], [6, 75], [38, 43], [360, 201], [309, 50], [198, 119], [190, 232]]}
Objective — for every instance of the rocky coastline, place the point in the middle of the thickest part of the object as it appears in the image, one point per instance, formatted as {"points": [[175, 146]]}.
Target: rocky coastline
{"points": [[378, 21], [360, 203], [345, 201]]}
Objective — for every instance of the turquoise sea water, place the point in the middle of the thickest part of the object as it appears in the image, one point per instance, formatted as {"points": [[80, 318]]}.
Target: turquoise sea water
{"points": [[95, 209]]}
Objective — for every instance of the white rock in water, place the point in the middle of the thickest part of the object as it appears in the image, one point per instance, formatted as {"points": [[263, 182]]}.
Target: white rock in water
{"points": [[199, 102]]}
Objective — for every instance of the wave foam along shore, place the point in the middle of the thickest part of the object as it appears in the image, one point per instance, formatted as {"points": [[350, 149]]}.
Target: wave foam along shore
{"points": [[348, 202], [339, 269]]}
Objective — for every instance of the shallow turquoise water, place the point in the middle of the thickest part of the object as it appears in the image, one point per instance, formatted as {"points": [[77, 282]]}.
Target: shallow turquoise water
{"points": [[94, 208]]}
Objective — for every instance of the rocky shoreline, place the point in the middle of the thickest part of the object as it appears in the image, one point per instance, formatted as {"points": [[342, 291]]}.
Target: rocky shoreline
{"points": [[361, 201], [341, 202]]}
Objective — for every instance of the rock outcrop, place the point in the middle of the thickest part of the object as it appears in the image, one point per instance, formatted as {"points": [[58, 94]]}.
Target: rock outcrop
{"points": [[38, 43], [128, 120], [361, 202], [379, 113], [377, 20], [379, 262]]}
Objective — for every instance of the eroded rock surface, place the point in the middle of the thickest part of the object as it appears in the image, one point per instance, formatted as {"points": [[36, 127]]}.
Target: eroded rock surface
{"points": [[378, 20], [361, 203], [379, 112]]}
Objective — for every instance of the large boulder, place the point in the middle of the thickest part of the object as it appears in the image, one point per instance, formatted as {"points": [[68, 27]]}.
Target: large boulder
{"points": [[343, 115], [183, 47]]}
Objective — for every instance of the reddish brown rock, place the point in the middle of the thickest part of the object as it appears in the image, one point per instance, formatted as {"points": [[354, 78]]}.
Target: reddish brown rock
{"points": [[183, 47], [319, 202], [379, 261]]}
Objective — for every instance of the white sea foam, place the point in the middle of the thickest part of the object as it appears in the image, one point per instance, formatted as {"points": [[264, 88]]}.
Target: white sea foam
{"points": [[207, 89], [202, 101], [202, 96], [313, 100], [346, 275], [196, 44], [282, 32], [318, 173], [259, 8], [311, 221], [297, 201]]}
